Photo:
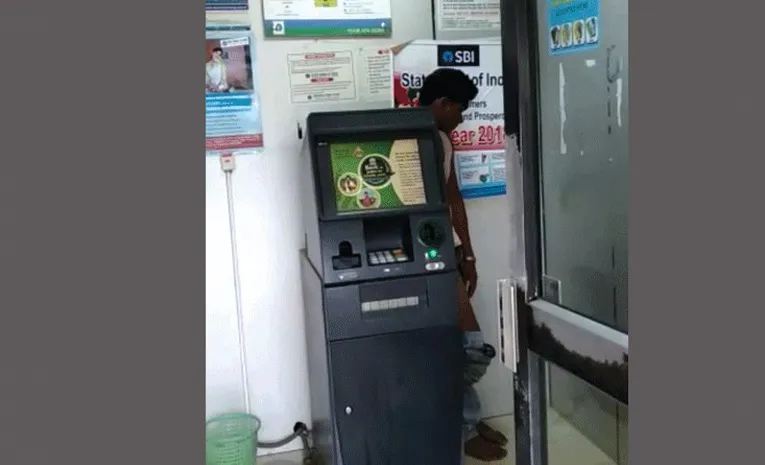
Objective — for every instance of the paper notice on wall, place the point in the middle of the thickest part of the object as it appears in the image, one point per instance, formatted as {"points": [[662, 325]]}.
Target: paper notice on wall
{"points": [[326, 76], [481, 172], [377, 70], [341, 73], [468, 15]]}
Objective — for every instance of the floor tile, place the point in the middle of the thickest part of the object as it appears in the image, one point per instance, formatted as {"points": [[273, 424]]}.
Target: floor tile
{"points": [[566, 446], [287, 458]]}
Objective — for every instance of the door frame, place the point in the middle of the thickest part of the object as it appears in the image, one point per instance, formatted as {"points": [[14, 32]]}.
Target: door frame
{"points": [[533, 343]]}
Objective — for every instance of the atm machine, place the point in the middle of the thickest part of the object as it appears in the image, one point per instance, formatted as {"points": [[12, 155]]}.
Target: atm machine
{"points": [[379, 282]]}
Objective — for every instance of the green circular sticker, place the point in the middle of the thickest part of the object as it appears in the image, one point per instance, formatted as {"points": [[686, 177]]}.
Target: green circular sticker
{"points": [[349, 184], [368, 198], [375, 170]]}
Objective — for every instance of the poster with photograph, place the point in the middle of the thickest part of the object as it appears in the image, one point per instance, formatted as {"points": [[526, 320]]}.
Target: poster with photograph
{"points": [[573, 25], [479, 142], [233, 119], [376, 82], [327, 18], [227, 5]]}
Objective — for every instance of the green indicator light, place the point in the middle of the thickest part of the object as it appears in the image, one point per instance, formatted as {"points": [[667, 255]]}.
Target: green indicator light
{"points": [[432, 253]]}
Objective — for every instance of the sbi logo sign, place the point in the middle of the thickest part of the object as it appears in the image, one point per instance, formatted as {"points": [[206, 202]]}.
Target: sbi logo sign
{"points": [[459, 55]]}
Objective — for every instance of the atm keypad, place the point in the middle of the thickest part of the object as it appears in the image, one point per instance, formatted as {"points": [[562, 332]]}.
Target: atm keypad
{"points": [[399, 255], [387, 257]]}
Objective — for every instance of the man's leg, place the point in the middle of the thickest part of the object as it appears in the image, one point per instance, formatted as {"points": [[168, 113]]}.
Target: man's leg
{"points": [[476, 361], [475, 444], [473, 340]]}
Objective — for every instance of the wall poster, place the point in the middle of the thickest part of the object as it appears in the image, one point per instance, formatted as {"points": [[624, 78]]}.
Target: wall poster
{"points": [[479, 142], [327, 18], [341, 72], [322, 76], [232, 105], [573, 25]]}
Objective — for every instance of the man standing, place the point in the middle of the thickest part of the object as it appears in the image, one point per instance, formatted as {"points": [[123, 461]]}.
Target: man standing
{"points": [[216, 76], [448, 93]]}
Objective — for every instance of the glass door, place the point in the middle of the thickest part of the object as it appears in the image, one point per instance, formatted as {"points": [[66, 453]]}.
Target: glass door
{"points": [[564, 325]]}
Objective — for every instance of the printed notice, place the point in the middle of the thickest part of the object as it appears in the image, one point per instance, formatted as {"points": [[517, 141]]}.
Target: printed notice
{"points": [[321, 76], [377, 65], [477, 170], [377, 175], [468, 15]]}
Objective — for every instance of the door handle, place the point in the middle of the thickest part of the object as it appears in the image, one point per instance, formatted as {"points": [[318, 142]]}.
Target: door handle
{"points": [[507, 309]]}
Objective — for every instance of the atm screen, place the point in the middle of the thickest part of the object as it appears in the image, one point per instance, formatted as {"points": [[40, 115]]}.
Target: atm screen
{"points": [[383, 175]]}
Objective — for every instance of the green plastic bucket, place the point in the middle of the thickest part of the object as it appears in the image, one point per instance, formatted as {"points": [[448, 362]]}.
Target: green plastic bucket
{"points": [[232, 439]]}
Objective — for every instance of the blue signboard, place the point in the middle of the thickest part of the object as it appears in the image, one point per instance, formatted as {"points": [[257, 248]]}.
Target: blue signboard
{"points": [[573, 25]]}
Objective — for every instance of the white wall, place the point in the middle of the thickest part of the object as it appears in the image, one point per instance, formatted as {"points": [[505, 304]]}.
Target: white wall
{"points": [[269, 235], [493, 234]]}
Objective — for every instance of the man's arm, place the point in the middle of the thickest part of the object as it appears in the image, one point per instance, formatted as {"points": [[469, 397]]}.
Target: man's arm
{"points": [[458, 213], [460, 221], [457, 209], [461, 226]]}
